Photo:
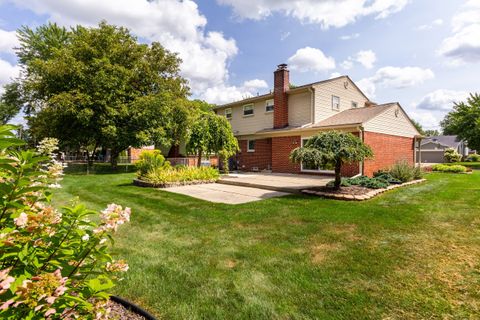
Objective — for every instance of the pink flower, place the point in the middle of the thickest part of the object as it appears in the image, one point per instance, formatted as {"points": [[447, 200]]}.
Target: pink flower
{"points": [[117, 266], [5, 280], [6, 304], [22, 220], [50, 312], [113, 216]]}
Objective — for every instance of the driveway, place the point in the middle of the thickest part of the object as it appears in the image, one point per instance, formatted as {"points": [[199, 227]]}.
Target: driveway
{"points": [[222, 193], [284, 182]]}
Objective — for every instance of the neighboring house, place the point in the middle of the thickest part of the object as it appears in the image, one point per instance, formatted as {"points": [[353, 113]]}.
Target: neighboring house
{"points": [[270, 126], [433, 148]]}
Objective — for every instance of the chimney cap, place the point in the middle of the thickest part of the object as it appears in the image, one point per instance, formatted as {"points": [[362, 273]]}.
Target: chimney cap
{"points": [[282, 66]]}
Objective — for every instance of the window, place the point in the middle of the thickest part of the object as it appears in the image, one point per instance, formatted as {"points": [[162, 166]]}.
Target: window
{"points": [[228, 113], [354, 104], [269, 105], [335, 103], [248, 110], [307, 167], [251, 146]]}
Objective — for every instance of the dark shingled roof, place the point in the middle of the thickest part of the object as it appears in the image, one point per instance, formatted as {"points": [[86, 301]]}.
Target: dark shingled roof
{"points": [[449, 141]]}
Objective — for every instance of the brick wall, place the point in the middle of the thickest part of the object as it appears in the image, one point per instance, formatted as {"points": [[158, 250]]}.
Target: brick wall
{"points": [[281, 85], [387, 150], [261, 158], [281, 148]]}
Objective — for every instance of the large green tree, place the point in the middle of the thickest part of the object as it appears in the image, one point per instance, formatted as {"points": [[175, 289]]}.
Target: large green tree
{"points": [[212, 133], [99, 87], [10, 102], [464, 121], [332, 148]]}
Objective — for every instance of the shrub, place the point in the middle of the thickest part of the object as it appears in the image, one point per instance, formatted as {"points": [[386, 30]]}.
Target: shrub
{"points": [[55, 264], [364, 181], [150, 160], [387, 176], [449, 168], [402, 171], [450, 155], [172, 175], [473, 158], [417, 173]]}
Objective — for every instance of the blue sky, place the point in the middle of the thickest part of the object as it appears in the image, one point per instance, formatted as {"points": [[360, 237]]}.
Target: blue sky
{"points": [[417, 52]]}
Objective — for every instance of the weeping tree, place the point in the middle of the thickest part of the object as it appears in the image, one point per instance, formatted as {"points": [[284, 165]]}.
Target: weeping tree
{"points": [[332, 148]]}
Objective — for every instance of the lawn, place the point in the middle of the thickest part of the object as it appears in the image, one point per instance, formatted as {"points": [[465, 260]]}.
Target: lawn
{"points": [[411, 253]]}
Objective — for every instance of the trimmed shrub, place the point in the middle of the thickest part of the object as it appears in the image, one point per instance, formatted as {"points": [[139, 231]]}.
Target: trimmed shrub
{"points": [[450, 155], [449, 168], [363, 181], [473, 158], [172, 175], [385, 175], [150, 160]]}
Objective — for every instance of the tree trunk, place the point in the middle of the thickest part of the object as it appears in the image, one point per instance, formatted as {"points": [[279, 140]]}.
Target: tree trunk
{"points": [[338, 176], [199, 160], [114, 159]]}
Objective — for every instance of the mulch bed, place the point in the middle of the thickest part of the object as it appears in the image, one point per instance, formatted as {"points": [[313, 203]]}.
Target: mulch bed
{"points": [[119, 312], [353, 190]]}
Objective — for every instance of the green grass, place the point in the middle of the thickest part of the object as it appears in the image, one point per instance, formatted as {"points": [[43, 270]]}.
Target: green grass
{"points": [[413, 253]]}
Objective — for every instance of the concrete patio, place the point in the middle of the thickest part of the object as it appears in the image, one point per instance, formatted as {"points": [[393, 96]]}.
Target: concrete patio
{"points": [[283, 182]]}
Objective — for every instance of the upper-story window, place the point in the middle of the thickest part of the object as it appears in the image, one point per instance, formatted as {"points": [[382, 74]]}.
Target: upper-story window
{"points": [[335, 103], [228, 113], [354, 104], [248, 110], [269, 105]]}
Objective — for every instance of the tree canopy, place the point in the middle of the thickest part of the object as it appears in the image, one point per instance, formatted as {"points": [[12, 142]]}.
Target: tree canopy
{"points": [[332, 148], [10, 102], [464, 121], [92, 87]]}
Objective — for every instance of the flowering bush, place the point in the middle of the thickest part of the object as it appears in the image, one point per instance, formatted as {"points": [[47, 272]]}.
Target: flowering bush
{"points": [[53, 263], [181, 175]]}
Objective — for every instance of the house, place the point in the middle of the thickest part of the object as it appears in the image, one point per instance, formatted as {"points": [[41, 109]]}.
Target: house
{"points": [[433, 148], [268, 127]]}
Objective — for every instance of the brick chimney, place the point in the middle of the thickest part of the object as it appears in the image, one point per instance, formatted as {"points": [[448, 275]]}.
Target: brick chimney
{"points": [[281, 85]]}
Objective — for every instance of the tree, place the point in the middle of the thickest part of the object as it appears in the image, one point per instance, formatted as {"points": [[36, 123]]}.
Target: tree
{"points": [[464, 121], [418, 126], [431, 133], [332, 148], [10, 102], [98, 87], [212, 133]]}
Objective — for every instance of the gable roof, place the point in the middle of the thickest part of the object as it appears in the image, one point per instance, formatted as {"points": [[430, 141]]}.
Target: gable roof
{"points": [[447, 141], [298, 89], [354, 116]]}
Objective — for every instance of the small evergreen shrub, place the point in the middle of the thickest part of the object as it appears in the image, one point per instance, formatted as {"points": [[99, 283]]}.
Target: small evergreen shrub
{"points": [[363, 181], [450, 155], [386, 175], [449, 168], [150, 160], [473, 158], [402, 171]]}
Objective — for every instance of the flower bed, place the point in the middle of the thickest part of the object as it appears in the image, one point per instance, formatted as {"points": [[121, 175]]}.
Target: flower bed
{"points": [[355, 193], [148, 184], [450, 168]]}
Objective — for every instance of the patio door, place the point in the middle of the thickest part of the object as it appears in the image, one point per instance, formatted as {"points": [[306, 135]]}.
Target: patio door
{"points": [[308, 167]]}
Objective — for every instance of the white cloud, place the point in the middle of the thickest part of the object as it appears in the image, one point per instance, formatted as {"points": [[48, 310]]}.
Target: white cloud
{"points": [[284, 35], [395, 77], [7, 73], [225, 94], [366, 58], [441, 100], [347, 64], [327, 13], [433, 107], [433, 24], [350, 36], [178, 25], [8, 41], [463, 46], [335, 75], [311, 59]]}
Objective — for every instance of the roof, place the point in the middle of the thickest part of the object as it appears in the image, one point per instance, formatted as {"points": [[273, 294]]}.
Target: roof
{"points": [[447, 141], [354, 116], [291, 91]]}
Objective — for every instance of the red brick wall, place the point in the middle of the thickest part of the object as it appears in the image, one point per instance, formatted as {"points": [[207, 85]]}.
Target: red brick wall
{"points": [[261, 158], [281, 148], [387, 150], [280, 87], [350, 170]]}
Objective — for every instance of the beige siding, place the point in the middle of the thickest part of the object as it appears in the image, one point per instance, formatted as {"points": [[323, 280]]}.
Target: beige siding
{"points": [[250, 124], [389, 123], [299, 109], [325, 91]]}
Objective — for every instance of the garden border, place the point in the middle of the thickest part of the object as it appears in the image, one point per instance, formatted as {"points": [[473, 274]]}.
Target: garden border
{"points": [[366, 196], [146, 184]]}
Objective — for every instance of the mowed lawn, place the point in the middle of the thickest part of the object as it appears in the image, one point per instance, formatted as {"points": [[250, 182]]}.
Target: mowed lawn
{"points": [[413, 253]]}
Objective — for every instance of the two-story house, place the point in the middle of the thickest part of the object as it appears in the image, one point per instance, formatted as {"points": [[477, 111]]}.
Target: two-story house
{"points": [[270, 126]]}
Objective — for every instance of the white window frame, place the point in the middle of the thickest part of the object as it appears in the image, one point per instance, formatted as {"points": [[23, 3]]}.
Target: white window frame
{"points": [[228, 113], [354, 105], [303, 140], [253, 110], [269, 105], [333, 104], [248, 146]]}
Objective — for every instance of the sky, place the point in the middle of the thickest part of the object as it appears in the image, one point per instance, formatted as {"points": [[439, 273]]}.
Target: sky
{"points": [[424, 54]]}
